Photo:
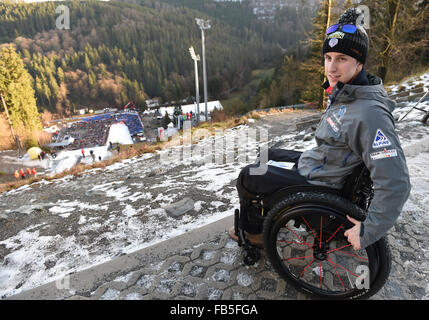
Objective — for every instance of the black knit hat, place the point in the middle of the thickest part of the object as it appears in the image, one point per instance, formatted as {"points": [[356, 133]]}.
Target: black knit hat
{"points": [[354, 45]]}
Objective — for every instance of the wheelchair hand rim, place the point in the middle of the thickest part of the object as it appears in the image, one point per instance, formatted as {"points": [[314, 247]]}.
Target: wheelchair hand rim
{"points": [[322, 258]]}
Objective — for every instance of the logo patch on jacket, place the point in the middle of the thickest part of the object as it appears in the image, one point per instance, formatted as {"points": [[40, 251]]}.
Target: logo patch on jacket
{"points": [[334, 120], [380, 140], [334, 127], [384, 154], [341, 113]]}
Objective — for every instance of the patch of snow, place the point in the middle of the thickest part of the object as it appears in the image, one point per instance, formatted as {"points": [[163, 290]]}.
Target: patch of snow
{"points": [[134, 296], [110, 294], [221, 275], [244, 279], [197, 205], [318, 271]]}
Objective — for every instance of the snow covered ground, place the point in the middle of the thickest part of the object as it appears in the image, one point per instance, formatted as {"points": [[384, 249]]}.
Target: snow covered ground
{"points": [[410, 83], [66, 159], [51, 229]]}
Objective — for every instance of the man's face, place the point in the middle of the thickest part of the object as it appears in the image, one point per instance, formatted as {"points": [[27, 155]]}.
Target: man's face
{"points": [[341, 67]]}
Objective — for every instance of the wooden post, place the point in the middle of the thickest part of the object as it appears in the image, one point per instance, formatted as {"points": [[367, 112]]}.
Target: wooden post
{"points": [[328, 23]]}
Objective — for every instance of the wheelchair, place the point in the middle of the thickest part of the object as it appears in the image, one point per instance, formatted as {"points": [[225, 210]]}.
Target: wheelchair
{"points": [[303, 237]]}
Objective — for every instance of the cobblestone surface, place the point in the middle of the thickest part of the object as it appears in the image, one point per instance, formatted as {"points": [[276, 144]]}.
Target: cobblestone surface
{"points": [[210, 271], [214, 271]]}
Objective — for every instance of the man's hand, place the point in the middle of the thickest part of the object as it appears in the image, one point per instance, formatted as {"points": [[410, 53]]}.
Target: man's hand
{"points": [[352, 234]]}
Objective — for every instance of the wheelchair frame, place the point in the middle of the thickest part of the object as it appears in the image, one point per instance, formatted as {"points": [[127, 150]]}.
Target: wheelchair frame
{"points": [[358, 189]]}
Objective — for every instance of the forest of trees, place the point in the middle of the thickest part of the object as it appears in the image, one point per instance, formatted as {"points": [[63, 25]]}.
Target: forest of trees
{"points": [[115, 52], [118, 51]]}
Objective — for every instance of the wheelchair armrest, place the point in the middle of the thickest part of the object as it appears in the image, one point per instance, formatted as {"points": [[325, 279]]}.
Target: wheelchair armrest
{"points": [[356, 189], [277, 196]]}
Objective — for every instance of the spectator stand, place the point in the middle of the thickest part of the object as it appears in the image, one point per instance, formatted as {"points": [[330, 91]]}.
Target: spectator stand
{"points": [[93, 131]]}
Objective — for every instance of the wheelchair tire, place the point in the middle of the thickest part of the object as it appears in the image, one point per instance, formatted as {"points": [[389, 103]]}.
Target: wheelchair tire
{"points": [[305, 243]]}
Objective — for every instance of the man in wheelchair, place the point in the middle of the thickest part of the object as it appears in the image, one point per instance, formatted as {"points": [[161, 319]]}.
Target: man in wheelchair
{"points": [[357, 131]]}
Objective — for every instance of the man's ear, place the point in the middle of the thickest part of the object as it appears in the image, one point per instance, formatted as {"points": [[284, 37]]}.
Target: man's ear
{"points": [[359, 66]]}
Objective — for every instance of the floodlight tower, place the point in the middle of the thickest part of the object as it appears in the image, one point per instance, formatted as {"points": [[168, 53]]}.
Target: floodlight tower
{"points": [[196, 58], [204, 25]]}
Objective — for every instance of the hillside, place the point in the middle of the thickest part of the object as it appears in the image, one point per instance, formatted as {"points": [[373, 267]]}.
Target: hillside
{"points": [[119, 51]]}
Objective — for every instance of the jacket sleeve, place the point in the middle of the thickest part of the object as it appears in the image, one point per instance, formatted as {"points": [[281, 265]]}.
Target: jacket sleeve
{"points": [[374, 139]]}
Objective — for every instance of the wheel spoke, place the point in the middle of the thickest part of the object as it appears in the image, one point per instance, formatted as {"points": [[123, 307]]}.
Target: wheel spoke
{"points": [[353, 255], [338, 248], [337, 274], [334, 233], [306, 268], [299, 238], [320, 273], [290, 242], [297, 258], [321, 228], [315, 235], [342, 267]]}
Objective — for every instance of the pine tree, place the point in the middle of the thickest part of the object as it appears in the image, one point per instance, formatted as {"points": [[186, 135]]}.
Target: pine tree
{"points": [[166, 120], [54, 88], [87, 63], [60, 75], [92, 80], [16, 87]]}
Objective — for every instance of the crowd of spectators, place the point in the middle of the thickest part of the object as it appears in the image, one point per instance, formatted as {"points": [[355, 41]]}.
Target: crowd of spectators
{"points": [[132, 120], [93, 131]]}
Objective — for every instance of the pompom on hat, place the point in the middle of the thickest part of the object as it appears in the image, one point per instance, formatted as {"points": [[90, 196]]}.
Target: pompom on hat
{"points": [[355, 45]]}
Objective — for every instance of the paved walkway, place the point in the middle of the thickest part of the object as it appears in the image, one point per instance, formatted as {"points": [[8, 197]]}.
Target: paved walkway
{"points": [[202, 264]]}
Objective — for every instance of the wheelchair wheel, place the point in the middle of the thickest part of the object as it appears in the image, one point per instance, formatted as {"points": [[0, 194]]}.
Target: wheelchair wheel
{"points": [[305, 243]]}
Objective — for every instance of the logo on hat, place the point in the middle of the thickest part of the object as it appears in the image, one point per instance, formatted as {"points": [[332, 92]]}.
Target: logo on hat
{"points": [[333, 42], [337, 34]]}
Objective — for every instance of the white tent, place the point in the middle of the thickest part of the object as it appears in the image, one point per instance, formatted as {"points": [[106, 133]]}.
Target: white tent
{"points": [[119, 133], [211, 105]]}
